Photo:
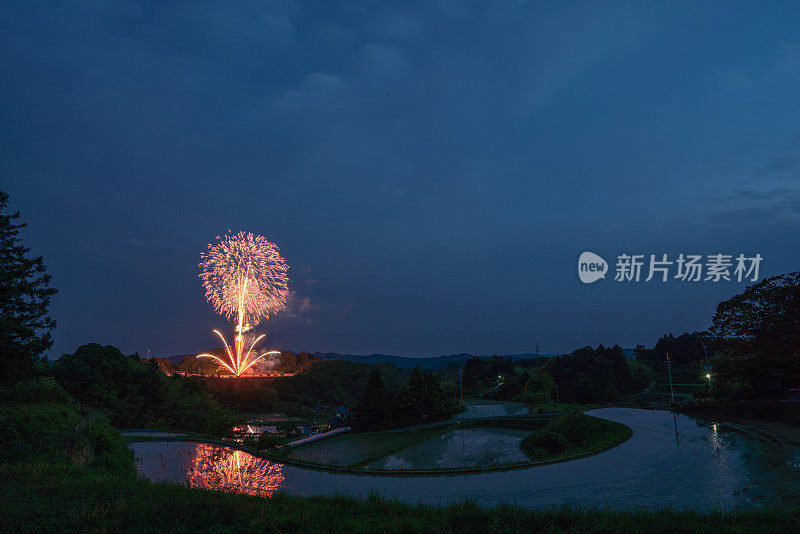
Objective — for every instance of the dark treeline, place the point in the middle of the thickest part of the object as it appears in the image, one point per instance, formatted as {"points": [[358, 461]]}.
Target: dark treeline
{"points": [[497, 377], [420, 400], [757, 339], [751, 350], [285, 362], [685, 348], [134, 393], [481, 371], [596, 375], [587, 375], [322, 384]]}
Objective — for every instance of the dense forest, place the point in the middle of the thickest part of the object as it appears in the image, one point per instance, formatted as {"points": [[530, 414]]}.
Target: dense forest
{"points": [[420, 400], [321, 384], [596, 375], [587, 375], [134, 393], [683, 349]]}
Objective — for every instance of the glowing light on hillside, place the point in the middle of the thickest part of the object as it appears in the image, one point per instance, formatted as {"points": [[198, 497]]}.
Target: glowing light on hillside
{"points": [[244, 276]]}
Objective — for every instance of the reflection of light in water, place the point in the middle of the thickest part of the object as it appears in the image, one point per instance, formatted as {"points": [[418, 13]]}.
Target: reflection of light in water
{"points": [[218, 468], [716, 441]]}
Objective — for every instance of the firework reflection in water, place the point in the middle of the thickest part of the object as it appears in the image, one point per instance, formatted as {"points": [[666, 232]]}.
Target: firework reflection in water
{"points": [[223, 469]]}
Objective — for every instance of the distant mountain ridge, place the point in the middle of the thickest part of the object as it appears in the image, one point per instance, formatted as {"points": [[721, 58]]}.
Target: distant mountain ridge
{"points": [[404, 362]]}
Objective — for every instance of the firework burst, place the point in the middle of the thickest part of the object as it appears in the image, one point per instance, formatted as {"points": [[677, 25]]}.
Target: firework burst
{"points": [[244, 274], [245, 277]]}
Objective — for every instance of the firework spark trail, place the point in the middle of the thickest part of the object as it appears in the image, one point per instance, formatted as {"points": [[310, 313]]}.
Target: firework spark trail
{"points": [[244, 275]]}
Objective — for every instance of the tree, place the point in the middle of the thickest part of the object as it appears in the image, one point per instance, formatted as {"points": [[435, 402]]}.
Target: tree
{"points": [[757, 333], [685, 348], [595, 375], [540, 388], [287, 428], [25, 324], [371, 412], [134, 394], [422, 400]]}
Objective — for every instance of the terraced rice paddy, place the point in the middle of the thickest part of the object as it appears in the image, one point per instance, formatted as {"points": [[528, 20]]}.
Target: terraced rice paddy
{"points": [[353, 449], [458, 448], [477, 409]]}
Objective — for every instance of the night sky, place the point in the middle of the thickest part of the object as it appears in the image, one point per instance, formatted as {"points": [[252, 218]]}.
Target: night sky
{"points": [[431, 173]]}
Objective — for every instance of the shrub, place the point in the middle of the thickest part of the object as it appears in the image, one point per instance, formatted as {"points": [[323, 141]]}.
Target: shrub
{"points": [[549, 442], [573, 433], [44, 390], [269, 442], [578, 428]]}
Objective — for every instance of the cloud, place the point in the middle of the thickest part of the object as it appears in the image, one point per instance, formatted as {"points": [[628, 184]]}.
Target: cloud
{"points": [[241, 28], [398, 25], [563, 46], [784, 64], [318, 92], [297, 307], [760, 194], [776, 211], [385, 60]]}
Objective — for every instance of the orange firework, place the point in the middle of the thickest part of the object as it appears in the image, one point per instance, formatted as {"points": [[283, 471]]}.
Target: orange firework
{"points": [[244, 275], [221, 469]]}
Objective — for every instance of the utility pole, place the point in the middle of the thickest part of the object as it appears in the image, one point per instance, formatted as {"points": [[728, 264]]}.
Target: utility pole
{"points": [[708, 365], [460, 390], [669, 373]]}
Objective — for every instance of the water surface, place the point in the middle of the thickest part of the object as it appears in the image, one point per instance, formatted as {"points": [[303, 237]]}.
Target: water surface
{"points": [[470, 447], [707, 465]]}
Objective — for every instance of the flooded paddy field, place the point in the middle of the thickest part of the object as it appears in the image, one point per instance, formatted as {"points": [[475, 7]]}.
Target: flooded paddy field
{"points": [[671, 460], [353, 448], [459, 448], [477, 409]]}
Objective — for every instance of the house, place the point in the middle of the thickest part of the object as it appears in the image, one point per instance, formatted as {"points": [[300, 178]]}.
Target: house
{"points": [[342, 412]]}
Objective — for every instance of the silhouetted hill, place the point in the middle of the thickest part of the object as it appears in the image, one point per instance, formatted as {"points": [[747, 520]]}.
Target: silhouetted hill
{"points": [[423, 363], [429, 363]]}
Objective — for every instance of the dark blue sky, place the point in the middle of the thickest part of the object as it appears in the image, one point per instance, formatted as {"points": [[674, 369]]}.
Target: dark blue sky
{"points": [[431, 173]]}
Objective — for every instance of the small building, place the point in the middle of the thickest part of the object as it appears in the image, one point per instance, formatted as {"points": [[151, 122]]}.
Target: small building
{"points": [[342, 412]]}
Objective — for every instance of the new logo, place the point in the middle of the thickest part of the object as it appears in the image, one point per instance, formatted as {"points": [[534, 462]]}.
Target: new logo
{"points": [[591, 267]]}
